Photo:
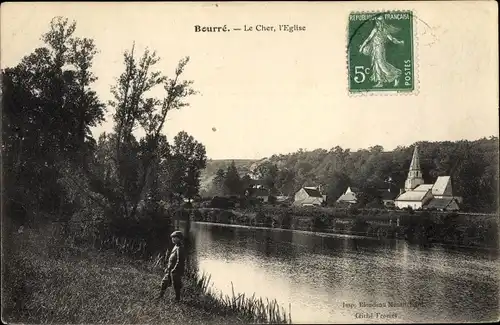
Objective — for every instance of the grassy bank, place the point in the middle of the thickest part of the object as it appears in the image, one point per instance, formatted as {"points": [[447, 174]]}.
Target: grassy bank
{"points": [[419, 226], [50, 280]]}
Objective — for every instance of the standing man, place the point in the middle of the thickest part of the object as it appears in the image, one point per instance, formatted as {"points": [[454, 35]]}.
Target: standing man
{"points": [[175, 268]]}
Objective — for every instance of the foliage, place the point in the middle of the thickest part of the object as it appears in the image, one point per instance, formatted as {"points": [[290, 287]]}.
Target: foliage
{"points": [[232, 184], [136, 162], [49, 107], [337, 185], [180, 171], [268, 173]]}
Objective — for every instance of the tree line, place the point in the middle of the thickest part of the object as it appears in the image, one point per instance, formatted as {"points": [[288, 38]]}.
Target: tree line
{"points": [[55, 170], [472, 165]]}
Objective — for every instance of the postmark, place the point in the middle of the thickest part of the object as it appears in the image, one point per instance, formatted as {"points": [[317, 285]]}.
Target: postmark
{"points": [[380, 52]]}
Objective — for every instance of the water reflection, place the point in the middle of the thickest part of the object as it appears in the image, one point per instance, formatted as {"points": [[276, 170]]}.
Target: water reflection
{"points": [[319, 275]]}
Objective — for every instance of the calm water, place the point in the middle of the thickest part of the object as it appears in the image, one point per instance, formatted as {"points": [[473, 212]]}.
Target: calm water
{"points": [[326, 278]]}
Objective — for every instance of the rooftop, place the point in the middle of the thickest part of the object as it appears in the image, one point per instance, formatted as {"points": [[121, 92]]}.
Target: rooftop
{"points": [[423, 188], [313, 192], [412, 196], [441, 185], [439, 203], [347, 197]]}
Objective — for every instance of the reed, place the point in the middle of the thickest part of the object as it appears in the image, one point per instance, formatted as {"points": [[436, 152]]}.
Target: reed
{"points": [[256, 310]]}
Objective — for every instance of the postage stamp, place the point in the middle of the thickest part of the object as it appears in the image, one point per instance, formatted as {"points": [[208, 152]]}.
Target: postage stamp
{"points": [[381, 52]]}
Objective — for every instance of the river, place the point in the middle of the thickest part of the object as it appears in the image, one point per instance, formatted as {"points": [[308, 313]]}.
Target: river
{"points": [[328, 278]]}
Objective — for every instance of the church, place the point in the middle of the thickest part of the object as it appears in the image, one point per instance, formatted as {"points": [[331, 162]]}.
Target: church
{"points": [[417, 195]]}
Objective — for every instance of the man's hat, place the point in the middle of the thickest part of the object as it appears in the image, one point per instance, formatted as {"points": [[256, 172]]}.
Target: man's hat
{"points": [[177, 234]]}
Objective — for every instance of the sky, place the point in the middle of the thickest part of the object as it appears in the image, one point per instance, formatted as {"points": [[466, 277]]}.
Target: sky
{"points": [[268, 93]]}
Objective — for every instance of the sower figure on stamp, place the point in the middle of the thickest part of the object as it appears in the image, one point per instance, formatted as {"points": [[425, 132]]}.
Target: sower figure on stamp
{"points": [[375, 47], [175, 267]]}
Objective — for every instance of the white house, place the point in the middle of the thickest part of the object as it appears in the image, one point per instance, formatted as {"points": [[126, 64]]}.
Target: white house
{"points": [[309, 196]]}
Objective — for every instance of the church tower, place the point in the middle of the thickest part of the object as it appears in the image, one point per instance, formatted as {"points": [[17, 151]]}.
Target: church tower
{"points": [[415, 174]]}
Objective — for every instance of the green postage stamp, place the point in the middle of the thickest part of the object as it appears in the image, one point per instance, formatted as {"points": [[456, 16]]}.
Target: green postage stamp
{"points": [[380, 52]]}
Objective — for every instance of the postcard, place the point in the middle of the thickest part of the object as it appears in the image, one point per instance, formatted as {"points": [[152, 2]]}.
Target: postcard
{"points": [[250, 162]]}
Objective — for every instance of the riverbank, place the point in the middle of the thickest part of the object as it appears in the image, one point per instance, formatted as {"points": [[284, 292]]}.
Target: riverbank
{"points": [[49, 281], [461, 230]]}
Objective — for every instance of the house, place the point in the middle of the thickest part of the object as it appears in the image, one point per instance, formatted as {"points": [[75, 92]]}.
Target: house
{"points": [[443, 204], [349, 196], [418, 195], [259, 193], [309, 196]]}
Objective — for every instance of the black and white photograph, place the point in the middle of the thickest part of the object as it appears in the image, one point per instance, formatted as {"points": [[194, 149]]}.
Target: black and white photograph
{"points": [[250, 162]]}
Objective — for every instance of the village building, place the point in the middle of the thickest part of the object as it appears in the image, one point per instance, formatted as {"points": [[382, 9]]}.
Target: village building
{"points": [[447, 204], [418, 195], [309, 196], [258, 193], [349, 196]]}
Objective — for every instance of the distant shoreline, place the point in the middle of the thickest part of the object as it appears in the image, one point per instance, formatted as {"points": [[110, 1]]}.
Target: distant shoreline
{"points": [[461, 231], [308, 232], [434, 245]]}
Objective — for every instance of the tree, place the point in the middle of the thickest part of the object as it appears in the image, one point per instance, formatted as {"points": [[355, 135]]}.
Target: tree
{"points": [[232, 181], [268, 173], [136, 160], [285, 181], [218, 182], [49, 107], [246, 181], [186, 160], [337, 185]]}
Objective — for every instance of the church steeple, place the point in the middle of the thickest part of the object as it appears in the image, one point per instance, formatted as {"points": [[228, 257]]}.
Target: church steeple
{"points": [[415, 174], [415, 160]]}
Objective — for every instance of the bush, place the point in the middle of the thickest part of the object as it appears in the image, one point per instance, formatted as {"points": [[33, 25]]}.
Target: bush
{"points": [[225, 216], [360, 224], [353, 210], [285, 220], [197, 215], [319, 222], [340, 226], [222, 203], [269, 221], [260, 218]]}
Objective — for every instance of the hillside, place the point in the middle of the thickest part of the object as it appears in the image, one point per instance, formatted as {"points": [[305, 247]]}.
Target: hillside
{"points": [[243, 166], [472, 165]]}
